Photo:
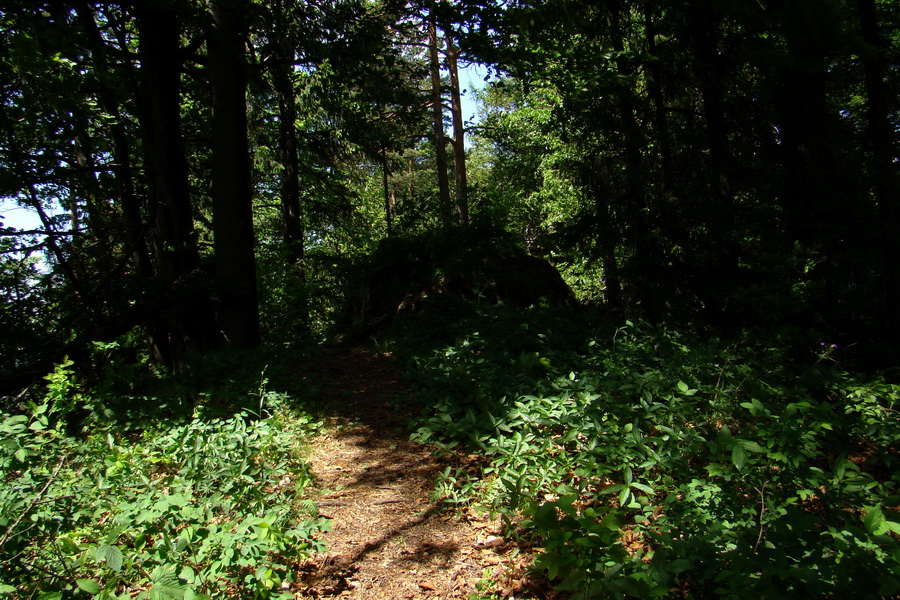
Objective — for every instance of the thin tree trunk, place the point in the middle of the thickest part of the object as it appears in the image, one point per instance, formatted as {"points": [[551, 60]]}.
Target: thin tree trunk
{"points": [[438, 121], [459, 143], [131, 204], [721, 268], [645, 259], [607, 235], [121, 149], [655, 92], [291, 211], [385, 177], [235, 279], [809, 172], [881, 139], [709, 74]]}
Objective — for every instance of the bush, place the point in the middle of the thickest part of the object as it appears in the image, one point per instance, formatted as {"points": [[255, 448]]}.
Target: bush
{"points": [[177, 510], [646, 463]]}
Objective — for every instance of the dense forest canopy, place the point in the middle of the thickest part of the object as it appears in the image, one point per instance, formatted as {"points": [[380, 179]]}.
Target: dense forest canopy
{"points": [[654, 286], [205, 171]]}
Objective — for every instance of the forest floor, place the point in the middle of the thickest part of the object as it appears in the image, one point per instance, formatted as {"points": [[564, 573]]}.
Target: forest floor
{"points": [[391, 539]]}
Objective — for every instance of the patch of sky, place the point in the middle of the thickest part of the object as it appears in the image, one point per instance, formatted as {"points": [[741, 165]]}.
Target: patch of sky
{"points": [[20, 218], [472, 80]]}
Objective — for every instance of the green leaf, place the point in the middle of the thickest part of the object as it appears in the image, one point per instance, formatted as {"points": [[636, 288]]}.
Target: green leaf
{"points": [[644, 488], [888, 586], [612, 489], [165, 584], [683, 387], [840, 466], [751, 446], [739, 456], [89, 585], [44, 596], [874, 520], [565, 504], [183, 542], [679, 565], [111, 555]]}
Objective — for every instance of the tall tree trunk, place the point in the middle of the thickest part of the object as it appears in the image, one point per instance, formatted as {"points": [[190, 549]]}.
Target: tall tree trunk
{"points": [[385, 182], [135, 230], [721, 265], [645, 261], [594, 175], [293, 227], [660, 116], [232, 190], [291, 209], [882, 142], [802, 103], [185, 321], [821, 189], [438, 121], [459, 134]]}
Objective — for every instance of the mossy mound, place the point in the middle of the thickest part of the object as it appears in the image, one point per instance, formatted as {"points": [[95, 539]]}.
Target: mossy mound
{"points": [[467, 264]]}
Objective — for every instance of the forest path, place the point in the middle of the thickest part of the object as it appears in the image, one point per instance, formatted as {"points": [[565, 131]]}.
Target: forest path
{"points": [[390, 539]]}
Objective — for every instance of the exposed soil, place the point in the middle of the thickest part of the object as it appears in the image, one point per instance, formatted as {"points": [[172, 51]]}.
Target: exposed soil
{"points": [[390, 538]]}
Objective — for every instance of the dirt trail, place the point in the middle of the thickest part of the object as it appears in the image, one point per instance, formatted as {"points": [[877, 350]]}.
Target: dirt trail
{"points": [[390, 539]]}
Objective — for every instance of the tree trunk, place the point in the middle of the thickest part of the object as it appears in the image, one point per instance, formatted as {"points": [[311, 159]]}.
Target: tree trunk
{"points": [[385, 181], [593, 175], [808, 170], [645, 262], [459, 142], [660, 117], [720, 266], [131, 204], [232, 190], [881, 140], [291, 209], [185, 321], [438, 121]]}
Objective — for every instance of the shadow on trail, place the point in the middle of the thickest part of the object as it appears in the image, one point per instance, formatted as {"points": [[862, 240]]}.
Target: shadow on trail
{"points": [[363, 386], [391, 538]]}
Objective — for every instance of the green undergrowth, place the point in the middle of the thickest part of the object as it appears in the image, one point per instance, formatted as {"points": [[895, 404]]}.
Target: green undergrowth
{"points": [[646, 463], [160, 497]]}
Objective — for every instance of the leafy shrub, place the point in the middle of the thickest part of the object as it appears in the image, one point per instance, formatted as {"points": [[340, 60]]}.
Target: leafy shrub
{"points": [[179, 510], [648, 464]]}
